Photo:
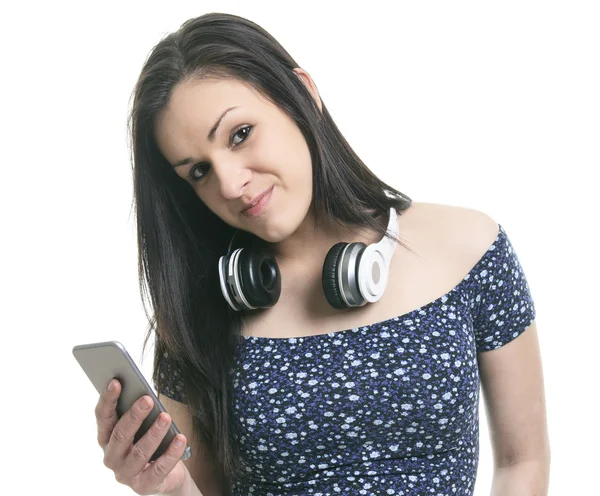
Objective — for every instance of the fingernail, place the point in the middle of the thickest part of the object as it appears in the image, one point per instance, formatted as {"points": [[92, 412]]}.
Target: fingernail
{"points": [[111, 385], [145, 404], [161, 421], [178, 442]]}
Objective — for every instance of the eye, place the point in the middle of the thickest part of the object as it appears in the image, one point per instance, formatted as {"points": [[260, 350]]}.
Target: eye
{"points": [[245, 128], [198, 171]]}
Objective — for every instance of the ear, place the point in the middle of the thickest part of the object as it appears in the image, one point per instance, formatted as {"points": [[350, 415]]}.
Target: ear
{"points": [[310, 84]]}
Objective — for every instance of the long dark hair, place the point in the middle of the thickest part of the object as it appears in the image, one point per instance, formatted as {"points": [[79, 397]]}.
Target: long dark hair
{"points": [[180, 240]]}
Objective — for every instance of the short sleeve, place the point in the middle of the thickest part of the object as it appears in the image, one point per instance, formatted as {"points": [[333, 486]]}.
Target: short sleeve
{"points": [[503, 306], [169, 380]]}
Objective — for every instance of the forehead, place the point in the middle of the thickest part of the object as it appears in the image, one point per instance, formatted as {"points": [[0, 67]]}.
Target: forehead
{"points": [[195, 106], [208, 97]]}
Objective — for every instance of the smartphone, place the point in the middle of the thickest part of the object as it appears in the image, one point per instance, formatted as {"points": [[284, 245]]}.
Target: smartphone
{"points": [[103, 362]]}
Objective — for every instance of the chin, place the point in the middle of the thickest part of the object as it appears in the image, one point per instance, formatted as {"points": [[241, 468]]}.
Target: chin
{"points": [[277, 228], [276, 234], [272, 236]]}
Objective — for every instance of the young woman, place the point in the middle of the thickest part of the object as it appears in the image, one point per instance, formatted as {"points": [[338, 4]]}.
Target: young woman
{"points": [[317, 332]]}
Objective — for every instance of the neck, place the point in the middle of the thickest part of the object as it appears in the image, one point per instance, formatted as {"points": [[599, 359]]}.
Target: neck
{"points": [[308, 246]]}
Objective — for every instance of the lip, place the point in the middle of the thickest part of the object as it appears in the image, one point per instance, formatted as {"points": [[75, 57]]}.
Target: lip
{"points": [[259, 205]]}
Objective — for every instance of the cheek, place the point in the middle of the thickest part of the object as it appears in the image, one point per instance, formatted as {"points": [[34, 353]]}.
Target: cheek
{"points": [[304, 167], [271, 150], [211, 198], [286, 152], [302, 156], [211, 203], [299, 162]]}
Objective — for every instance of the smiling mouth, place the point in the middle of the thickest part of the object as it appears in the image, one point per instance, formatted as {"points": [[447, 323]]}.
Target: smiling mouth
{"points": [[257, 200], [258, 206]]}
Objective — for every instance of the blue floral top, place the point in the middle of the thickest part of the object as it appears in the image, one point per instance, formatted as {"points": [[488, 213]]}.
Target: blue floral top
{"points": [[389, 408]]}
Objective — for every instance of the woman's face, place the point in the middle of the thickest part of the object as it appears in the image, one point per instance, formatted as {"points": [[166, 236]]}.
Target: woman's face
{"points": [[253, 148]]}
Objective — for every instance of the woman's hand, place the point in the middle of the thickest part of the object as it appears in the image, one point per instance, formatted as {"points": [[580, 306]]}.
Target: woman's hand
{"points": [[130, 462]]}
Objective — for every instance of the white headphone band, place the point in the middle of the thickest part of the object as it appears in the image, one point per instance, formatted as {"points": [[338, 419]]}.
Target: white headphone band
{"points": [[373, 271], [387, 246]]}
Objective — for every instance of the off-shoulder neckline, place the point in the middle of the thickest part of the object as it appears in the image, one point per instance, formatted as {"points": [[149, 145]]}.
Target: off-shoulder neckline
{"points": [[406, 315]]}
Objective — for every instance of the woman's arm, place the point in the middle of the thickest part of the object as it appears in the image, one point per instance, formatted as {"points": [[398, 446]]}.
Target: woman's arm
{"points": [[199, 465], [513, 391]]}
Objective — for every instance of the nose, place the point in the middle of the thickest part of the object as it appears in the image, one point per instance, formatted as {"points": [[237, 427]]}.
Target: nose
{"points": [[232, 177]]}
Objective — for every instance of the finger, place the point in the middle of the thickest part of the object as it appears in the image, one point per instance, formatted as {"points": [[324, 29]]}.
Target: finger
{"points": [[106, 411], [141, 451], [155, 473], [121, 438]]}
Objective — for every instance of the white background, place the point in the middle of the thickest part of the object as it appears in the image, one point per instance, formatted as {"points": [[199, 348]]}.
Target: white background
{"points": [[489, 106]]}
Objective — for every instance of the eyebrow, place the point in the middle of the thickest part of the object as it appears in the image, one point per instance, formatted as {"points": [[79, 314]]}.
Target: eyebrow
{"points": [[210, 137]]}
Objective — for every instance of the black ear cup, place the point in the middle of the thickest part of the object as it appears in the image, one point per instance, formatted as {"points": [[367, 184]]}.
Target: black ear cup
{"points": [[342, 260], [329, 277], [259, 278]]}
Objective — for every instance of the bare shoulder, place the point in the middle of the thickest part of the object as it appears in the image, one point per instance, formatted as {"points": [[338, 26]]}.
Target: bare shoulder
{"points": [[465, 233]]}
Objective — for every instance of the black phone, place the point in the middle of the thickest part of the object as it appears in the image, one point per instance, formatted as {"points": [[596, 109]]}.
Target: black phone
{"points": [[103, 362]]}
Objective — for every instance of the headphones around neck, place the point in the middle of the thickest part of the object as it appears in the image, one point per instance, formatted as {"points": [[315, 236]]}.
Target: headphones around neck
{"points": [[353, 273]]}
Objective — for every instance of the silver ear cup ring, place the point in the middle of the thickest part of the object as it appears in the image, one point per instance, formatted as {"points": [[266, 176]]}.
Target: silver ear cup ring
{"points": [[231, 286], [223, 269], [233, 279], [347, 274]]}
